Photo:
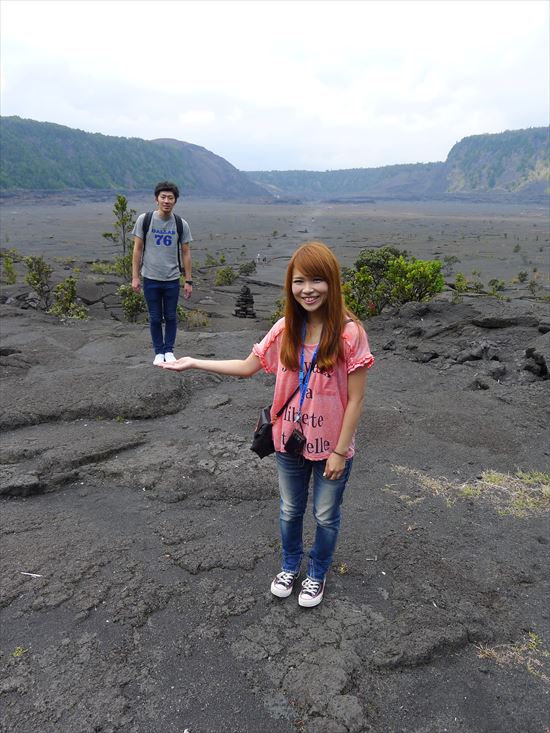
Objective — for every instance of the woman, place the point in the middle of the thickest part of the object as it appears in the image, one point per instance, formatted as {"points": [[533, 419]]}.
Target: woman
{"points": [[322, 349]]}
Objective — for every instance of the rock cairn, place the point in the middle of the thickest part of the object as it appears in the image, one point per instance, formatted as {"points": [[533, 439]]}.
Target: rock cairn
{"points": [[244, 305]]}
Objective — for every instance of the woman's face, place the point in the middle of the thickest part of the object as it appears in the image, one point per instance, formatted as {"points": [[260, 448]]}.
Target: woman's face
{"points": [[310, 293]]}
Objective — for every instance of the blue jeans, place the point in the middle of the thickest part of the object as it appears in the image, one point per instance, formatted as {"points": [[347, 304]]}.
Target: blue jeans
{"points": [[294, 478], [162, 298]]}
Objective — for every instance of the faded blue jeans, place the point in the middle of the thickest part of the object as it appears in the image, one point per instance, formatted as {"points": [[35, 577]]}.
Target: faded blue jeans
{"points": [[162, 298], [294, 479]]}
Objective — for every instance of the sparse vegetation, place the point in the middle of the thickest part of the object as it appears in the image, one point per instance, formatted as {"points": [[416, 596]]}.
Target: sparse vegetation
{"points": [[522, 494], [103, 268], [528, 653], [210, 261], [449, 262]]}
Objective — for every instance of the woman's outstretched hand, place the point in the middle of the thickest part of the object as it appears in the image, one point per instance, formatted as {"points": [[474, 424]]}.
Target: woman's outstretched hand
{"points": [[180, 365]]}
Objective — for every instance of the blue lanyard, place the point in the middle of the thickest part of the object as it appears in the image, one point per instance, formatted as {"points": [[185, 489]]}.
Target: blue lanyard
{"points": [[304, 378]]}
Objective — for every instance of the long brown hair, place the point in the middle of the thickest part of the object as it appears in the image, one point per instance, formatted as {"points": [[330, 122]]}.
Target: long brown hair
{"points": [[314, 259]]}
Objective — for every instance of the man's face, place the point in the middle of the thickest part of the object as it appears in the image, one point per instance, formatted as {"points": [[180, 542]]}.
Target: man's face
{"points": [[166, 202]]}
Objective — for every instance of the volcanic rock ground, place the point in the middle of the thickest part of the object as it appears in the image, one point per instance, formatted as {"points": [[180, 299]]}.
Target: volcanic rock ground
{"points": [[139, 532]]}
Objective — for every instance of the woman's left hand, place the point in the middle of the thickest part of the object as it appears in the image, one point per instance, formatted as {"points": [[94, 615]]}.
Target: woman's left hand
{"points": [[334, 467]]}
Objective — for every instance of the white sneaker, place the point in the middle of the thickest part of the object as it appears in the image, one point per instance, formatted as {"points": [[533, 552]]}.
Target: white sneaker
{"points": [[311, 593], [169, 356], [158, 360]]}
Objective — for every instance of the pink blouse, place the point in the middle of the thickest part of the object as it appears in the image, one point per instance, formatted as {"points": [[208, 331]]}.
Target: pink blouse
{"points": [[327, 394]]}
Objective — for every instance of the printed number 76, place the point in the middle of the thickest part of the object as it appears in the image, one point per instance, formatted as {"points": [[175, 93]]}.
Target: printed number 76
{"points": [[165, 239]]}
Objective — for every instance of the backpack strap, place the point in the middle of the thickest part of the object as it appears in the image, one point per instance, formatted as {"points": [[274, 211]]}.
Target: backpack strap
{"points": [[146, 226], [179, 226]]}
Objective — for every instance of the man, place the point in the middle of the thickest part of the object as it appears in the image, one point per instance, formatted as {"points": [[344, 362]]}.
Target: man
{"points": [[159, 262]]}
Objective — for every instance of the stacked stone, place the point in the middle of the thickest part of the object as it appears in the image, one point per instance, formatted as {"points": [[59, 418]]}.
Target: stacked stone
{"points": [[244, 305]]}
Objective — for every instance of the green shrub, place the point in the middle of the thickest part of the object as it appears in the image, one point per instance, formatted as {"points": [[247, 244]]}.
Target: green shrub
{"points": [[496, 285], [38, 277], [247, 268], [210, 261], [65, 304], [12, 253], [225, 276], [460, 287], [9, 270], [132, 303], [522, 276], [279, 309], [387, 276]]}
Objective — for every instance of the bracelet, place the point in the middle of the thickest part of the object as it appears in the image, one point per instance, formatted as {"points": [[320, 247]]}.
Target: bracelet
{"points": [[342, 455], [189, 282]]}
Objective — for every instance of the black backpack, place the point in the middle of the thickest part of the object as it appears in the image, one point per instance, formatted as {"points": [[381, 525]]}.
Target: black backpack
{"points": [[179, 226]]}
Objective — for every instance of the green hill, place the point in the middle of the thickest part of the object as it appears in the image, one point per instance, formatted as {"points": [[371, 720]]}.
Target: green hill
{"points": [[43, 155]]}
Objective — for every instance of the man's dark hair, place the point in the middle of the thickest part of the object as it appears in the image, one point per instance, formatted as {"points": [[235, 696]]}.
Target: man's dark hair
{"points": [[167, 186]]}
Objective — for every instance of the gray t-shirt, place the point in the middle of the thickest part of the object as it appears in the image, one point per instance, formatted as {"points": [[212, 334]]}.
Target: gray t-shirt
{"points": [[160, 259]]}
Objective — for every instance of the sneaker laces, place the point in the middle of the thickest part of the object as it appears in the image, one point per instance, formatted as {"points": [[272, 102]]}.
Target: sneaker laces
{"points": [[285, 578], [311, 587]]}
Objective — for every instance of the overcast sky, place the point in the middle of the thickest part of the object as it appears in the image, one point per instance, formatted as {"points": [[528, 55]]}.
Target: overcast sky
{"points": [[282, 84]]}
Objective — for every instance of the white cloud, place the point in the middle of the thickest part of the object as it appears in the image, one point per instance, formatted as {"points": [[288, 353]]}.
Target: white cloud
{"points": [[304, 84]]}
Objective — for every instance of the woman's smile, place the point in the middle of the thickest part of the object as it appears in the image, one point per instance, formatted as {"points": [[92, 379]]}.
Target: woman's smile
{"points": [[310, 292]]}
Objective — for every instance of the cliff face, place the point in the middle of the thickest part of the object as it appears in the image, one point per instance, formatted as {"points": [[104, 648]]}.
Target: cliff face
{"points": [[513, 162], [42, 155]]}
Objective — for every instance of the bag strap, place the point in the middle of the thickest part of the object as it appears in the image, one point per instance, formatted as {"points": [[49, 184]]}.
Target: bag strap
{"points": [[283, 408]]}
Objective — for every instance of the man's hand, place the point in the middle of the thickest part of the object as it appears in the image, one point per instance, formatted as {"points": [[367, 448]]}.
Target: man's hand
{"points": [[136, 284], [187, 291]]}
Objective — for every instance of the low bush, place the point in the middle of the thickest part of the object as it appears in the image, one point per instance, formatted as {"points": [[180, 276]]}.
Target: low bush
{"points": [[247, 268], [279, 310], [133, 304], [65, 303], [387, 276], [192, 318], [225, 276]]}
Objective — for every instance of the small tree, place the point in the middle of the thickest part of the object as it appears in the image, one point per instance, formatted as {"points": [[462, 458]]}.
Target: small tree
{"points": [[9, 270], [38, 277], [124, 223], [460, 287]]}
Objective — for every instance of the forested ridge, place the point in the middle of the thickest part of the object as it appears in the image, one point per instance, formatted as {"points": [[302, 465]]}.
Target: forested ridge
{"points": [[43, 155]]}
